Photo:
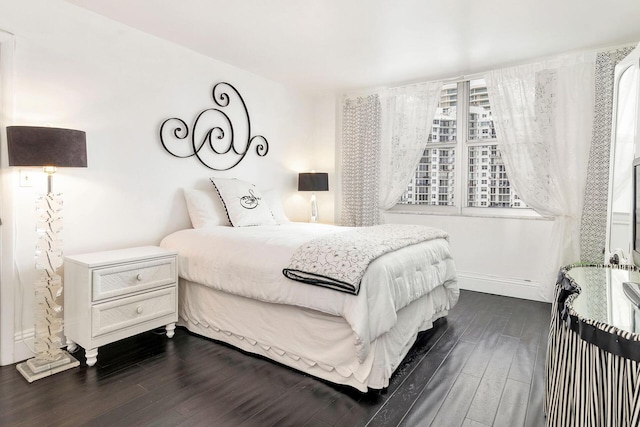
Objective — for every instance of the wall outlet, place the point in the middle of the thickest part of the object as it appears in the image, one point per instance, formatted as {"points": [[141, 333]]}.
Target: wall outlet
{"points": [[26, 178]]}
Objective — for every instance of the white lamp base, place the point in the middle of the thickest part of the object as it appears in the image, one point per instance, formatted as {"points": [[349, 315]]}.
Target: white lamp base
{"points": [[36, 368], [314, 208], [50, 358]]}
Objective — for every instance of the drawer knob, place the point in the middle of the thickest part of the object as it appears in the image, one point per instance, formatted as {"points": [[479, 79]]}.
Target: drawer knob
{"points": [[139, 310], [139, 277]]}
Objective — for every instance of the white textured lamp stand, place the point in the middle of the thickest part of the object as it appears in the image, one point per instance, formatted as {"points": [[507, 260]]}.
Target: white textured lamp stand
{"points": [[313, 181], [50, 148]]}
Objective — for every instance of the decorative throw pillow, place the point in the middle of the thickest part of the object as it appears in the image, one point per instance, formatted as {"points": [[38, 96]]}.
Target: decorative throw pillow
{"points": [[275, 204], [205, 208], [243, 202]]}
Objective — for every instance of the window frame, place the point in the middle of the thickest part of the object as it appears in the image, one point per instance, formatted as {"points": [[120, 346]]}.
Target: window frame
{"points": [[461, 177]]}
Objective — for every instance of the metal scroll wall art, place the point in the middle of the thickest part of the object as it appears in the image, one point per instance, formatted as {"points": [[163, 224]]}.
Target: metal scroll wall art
{"points": [[213, 139]]}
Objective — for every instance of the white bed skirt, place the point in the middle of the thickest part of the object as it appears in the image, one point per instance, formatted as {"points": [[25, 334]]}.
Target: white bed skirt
{"points": [[316, 343]]}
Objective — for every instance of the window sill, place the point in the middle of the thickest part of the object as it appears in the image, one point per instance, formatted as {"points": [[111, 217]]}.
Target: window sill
{"points": [[527, 214]]}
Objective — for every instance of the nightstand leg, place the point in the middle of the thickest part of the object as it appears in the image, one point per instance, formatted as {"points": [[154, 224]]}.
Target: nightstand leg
{"points": [[71, 346], [92, 356], [171, 327]]}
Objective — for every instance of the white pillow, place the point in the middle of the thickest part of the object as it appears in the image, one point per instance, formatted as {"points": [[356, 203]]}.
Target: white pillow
{"points": [[205, 208], [244, 203], [275, 204]]}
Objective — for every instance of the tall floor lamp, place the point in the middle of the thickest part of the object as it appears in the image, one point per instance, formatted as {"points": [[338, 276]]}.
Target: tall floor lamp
{"points": [[313, 181], [50, 148]]}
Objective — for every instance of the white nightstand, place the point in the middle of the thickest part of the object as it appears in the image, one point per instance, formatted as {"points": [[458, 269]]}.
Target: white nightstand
{"points": [[113, 295]]}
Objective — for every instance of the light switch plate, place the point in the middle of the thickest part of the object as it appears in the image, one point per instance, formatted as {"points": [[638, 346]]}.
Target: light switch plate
{"points": [[26, 178]]}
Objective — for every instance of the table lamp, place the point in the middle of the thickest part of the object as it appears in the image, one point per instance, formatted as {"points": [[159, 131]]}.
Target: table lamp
{"points": [[313, 181], [50, 148]]}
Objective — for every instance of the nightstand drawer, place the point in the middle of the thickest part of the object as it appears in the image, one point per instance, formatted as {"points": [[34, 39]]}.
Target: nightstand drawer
{"points": [[123, 313], [128, 278]]}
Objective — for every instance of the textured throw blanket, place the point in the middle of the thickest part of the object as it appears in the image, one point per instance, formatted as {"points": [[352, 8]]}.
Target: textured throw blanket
{"points": [[338, 261]]}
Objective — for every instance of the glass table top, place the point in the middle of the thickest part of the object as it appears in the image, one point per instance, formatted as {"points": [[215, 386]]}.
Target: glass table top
{"points": [[604, 297]]}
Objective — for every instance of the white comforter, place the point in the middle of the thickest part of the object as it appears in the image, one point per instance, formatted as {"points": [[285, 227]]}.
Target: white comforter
{"points": [[248, 261]]}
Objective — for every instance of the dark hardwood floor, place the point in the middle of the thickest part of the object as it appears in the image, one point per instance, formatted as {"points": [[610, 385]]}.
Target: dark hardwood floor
{"points": [[482, 366]]}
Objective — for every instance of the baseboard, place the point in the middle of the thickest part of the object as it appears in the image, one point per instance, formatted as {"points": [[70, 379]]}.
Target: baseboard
{"points": [[22, 345], [517, 288]]}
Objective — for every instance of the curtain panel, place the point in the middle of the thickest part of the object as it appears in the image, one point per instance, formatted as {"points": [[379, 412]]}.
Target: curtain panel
{"points": [[383, 138], [407, 118], [360, 161], [543, 114], [594, 216]]}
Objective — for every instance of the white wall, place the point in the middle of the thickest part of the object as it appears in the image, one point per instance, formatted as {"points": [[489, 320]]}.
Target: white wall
{"points": [[324, 154], [504, 256], [75, 69]]}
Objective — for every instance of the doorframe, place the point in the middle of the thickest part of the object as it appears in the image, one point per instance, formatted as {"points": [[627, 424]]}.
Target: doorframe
{"points": [[7, 306]]}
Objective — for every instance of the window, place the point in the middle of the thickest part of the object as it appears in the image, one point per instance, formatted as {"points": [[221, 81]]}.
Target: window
{"points": [[461, 149]]}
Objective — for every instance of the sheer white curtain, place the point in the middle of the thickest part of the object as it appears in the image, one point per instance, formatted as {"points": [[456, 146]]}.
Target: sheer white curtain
{"points": [[407, 116], [543, 115]]}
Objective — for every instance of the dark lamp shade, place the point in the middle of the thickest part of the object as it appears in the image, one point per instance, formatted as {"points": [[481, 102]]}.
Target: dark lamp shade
{"points": [[314, 181], [45, 146]]}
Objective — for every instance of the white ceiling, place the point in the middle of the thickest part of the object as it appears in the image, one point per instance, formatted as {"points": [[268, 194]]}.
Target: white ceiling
{"points": [[351, 44]]}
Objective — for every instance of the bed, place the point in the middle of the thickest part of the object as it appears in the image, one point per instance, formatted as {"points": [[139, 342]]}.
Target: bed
{"points": [[232, 289]]}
